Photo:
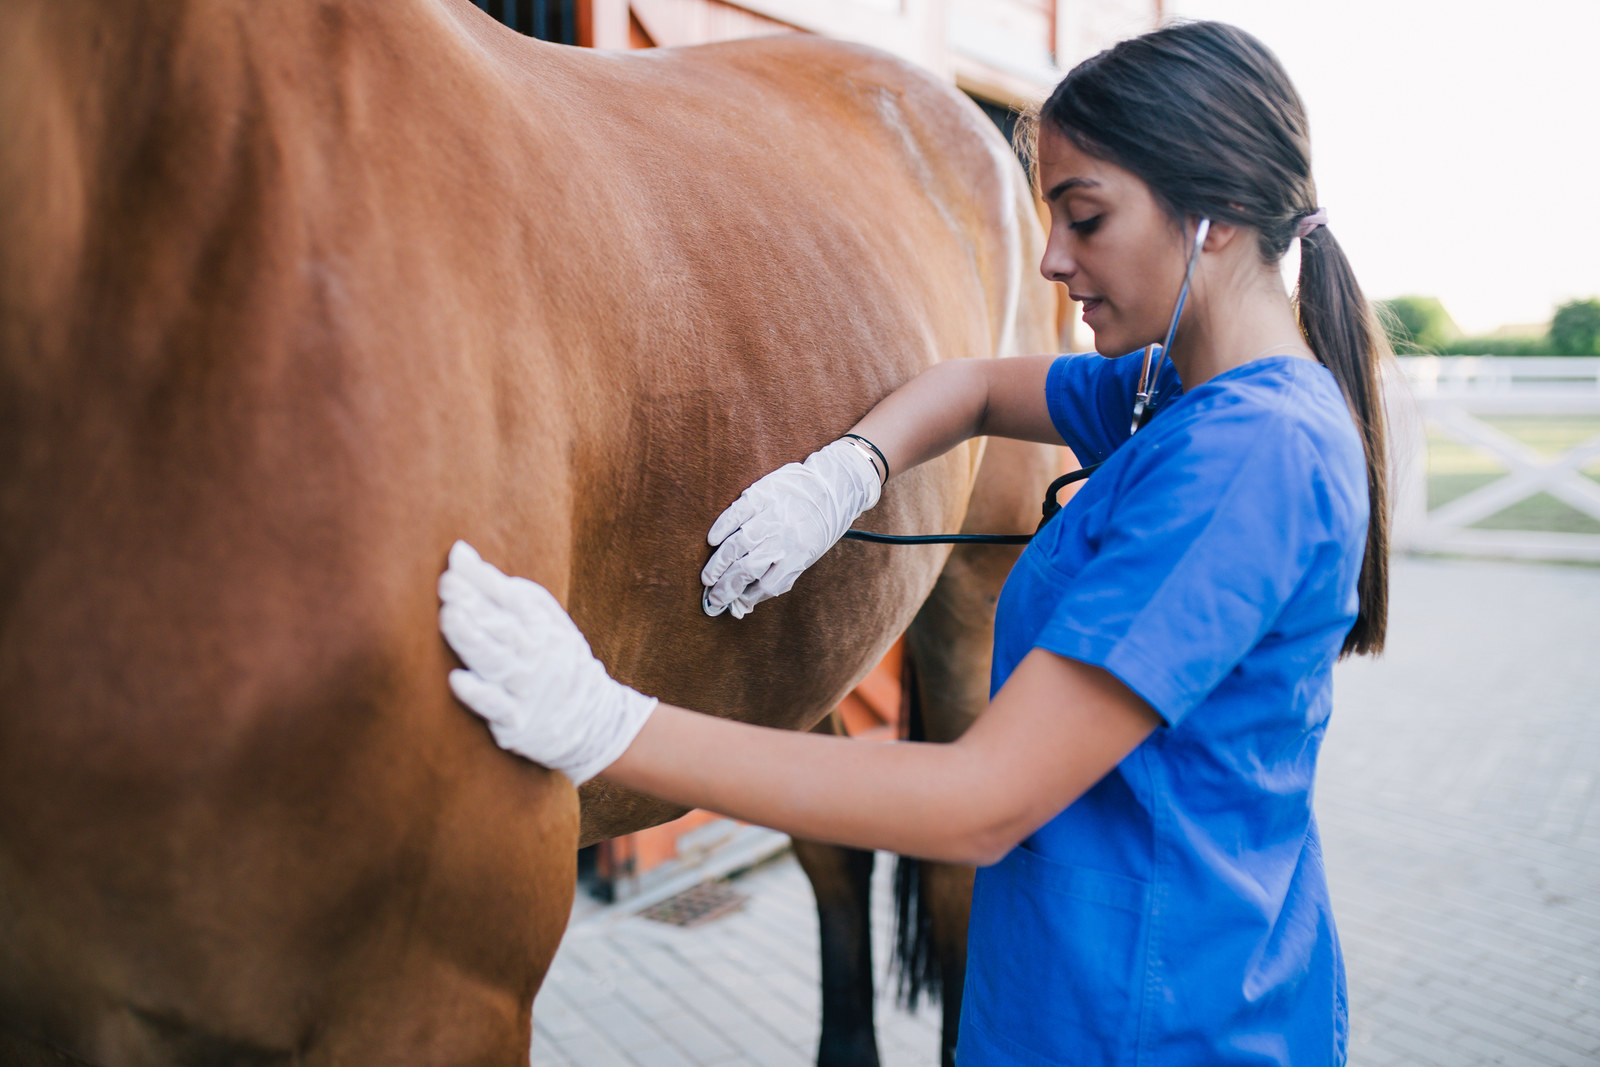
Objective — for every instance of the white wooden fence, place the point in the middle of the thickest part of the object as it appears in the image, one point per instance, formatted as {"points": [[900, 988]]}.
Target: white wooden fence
{"points": [[1452, 393]]}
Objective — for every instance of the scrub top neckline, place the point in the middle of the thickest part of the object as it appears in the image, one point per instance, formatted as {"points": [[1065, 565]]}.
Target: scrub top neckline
{"points": [[1257, 362]]}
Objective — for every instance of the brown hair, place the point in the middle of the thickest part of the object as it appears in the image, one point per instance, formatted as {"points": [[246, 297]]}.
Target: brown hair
{"points": [[1205, 115]]}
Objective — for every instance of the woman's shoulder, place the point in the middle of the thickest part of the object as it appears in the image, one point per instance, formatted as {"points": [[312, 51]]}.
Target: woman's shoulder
{"points": [[1278, 399], [1279, 426], [1090, 398]]}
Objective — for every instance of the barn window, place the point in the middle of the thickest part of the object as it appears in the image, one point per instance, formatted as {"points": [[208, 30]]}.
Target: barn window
{"points": [[1002, 116], [548, 20]]}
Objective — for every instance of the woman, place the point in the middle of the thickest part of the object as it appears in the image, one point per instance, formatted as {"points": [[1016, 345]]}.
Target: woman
{"points": [[1139, 790]]}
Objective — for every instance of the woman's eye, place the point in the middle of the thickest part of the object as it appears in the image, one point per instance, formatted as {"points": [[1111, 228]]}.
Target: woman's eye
{"points": [[1085, 226]]}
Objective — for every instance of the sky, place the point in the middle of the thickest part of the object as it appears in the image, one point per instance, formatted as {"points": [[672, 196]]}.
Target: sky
{"points": [[1455, 145]]}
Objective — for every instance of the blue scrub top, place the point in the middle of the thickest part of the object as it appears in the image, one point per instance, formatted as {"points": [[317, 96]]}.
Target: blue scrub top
{"points": [[1177, 913]]}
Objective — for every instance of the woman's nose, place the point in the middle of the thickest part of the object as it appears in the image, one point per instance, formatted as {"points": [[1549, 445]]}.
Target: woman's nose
{"points": [[1056, 265]]}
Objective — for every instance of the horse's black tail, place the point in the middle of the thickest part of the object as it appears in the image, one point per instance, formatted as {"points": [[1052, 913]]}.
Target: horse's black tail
{"points": [[916, 964]]}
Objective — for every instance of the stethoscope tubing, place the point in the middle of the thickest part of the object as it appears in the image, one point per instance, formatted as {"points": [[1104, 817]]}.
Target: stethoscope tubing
{"points": [[1051, 506], [1144, 400]]}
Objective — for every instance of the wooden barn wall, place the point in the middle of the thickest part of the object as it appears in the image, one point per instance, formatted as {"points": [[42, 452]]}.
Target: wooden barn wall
{"points": [[1084, 27], [1006, 51], [678, 22]]}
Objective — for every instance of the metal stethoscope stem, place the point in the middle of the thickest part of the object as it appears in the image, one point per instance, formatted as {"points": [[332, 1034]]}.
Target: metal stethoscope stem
{"points": [[1143, 403]]}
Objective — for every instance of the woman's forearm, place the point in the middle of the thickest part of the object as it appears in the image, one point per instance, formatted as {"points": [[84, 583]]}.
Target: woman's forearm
{"points": [[956, 400], [928, 415], [1054, 730], [914, 799]]}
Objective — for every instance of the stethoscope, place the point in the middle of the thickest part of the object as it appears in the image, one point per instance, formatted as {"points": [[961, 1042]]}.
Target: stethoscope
{"points": [[1144, 406]]}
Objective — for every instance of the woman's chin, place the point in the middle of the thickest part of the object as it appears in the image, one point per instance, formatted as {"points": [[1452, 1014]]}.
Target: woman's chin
{"points": [[1114, 346], [1108, 345]]}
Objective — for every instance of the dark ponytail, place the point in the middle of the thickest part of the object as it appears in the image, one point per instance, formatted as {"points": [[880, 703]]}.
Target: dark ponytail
{"points": [[1205, 115], [1341, 329]]}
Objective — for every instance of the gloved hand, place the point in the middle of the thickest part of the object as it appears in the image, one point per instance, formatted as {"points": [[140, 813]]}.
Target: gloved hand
{"points": [[783, 524], [530, 673]]}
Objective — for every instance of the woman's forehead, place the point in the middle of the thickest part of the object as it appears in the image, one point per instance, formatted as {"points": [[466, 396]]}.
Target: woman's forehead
{"points": [[1065, 168]]}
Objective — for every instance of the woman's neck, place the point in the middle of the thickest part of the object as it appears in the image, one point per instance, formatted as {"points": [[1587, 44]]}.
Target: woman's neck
{"points": [[1228, 325]]}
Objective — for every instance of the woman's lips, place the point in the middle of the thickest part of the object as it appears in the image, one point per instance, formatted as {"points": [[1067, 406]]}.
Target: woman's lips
{"points": [[1090, 306]]}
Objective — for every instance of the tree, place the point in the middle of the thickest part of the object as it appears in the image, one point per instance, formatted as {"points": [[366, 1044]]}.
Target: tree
{"points": [[1575, 330], [1417, 323], [1497, 346]]}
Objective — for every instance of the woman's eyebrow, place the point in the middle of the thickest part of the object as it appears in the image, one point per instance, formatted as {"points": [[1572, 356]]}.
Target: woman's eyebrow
{"points": [[1063, 187]]}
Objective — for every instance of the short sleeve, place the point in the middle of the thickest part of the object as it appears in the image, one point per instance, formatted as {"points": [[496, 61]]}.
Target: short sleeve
{"points": [[1090, 400], [1211, 532]]}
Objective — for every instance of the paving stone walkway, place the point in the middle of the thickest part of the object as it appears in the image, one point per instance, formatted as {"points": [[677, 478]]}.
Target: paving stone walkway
{"points": [[1461, 819], [1461, 816]]}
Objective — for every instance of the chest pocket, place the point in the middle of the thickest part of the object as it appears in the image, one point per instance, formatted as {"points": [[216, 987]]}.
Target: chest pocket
{"points": [[1056, 965]]}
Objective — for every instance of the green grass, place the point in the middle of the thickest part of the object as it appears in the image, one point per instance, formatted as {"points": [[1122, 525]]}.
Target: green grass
{"points": [[1455, 469]]}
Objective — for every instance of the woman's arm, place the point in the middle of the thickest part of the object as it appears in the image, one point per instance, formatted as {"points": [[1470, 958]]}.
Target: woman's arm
{"points": [[788, 520], [953, 401], [1054, 730]]}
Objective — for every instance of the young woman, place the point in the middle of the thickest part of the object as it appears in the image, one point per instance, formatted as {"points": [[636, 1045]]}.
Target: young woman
{"points": [[1139, 790]]}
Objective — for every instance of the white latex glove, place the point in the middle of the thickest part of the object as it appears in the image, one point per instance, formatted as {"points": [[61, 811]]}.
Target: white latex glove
{"points": [[530, 673], [783, 524]]}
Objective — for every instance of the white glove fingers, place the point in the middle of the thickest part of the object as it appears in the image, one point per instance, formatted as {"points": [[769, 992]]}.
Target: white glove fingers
{"points": [[778, 577], [529, 671], [490, 655], [783, 524], [742, 554], [733, 517], [745, 573], [732, 550], [507, 607], [776, 581], [490, 701], [535, 605], [487, 579], [457, 591]]}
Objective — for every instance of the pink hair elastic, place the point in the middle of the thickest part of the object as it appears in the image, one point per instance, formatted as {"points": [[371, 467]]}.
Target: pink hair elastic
{"points": [[1310, 222]]}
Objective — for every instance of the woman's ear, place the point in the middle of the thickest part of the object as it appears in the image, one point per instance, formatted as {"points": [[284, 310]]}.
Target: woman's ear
{"points": [[1220, 236]]}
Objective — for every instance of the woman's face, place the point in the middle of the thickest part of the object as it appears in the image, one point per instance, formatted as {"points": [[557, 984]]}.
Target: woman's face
{"points": [[1111, 244]]}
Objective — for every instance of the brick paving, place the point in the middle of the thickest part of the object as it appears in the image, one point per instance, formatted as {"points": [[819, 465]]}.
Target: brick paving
{"points": [[1461, 820], [741, 989], [1461, 815]]}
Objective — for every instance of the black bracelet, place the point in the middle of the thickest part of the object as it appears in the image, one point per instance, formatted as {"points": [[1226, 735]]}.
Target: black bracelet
{"points": [[875, 451]]}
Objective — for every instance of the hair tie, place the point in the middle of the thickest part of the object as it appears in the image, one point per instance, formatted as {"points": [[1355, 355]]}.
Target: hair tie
{"points": [[1311, 221]]}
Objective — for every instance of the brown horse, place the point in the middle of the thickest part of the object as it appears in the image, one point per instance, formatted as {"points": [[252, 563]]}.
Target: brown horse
{"points": [[292, 296]]}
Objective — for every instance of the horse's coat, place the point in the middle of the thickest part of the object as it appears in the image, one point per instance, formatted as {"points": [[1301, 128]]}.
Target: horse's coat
{"points": [[292, 296]]}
